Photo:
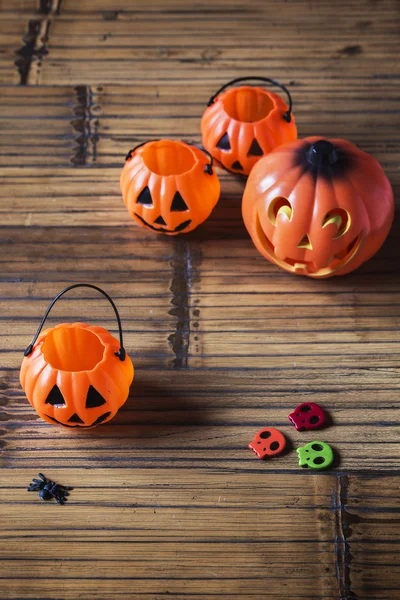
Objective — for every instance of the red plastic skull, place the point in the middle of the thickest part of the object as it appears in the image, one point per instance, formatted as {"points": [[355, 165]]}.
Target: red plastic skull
{"points": [[307, 416], [268, 442]]}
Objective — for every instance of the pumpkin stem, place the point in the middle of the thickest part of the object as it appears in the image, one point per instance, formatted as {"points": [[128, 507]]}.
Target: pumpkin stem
{"points": [[322, 154]]}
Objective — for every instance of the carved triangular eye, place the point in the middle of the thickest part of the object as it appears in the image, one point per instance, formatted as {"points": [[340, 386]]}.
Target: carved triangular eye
{"points": [[93, 398], [255, 149], [223, 143], [236, 165], [145, 198], [160, 221], [55, 398], [178, 203], [75, 419]]}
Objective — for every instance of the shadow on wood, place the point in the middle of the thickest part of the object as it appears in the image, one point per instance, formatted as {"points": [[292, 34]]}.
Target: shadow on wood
{"points": [[149, 404]]}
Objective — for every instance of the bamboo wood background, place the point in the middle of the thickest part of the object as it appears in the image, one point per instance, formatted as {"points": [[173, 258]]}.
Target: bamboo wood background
{"points": [[168, 500]]}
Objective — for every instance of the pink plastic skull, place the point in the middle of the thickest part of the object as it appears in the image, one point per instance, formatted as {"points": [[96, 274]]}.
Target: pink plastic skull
{"points": [[268, 442], [307, 416]]}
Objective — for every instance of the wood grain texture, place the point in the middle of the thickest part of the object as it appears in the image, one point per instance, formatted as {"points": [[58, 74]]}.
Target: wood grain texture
{"points": [[168, 500]]}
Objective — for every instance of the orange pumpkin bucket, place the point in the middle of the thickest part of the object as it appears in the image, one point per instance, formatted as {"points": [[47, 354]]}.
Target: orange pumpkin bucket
{"points": [[318, 207], [74, 374], [168, 186], [245, 123]]}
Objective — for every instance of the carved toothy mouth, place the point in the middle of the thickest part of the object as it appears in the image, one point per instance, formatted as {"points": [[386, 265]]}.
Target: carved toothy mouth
{"points": [[99, 420], [337, 261], [177, 229]]}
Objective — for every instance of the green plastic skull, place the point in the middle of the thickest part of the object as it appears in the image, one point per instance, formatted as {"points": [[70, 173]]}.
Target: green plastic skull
{"points": [[316, 455]]}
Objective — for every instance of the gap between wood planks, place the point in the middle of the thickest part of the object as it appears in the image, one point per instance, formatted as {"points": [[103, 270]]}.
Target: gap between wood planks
{"points": [[185, 263], [85, 126], [36, 41], [343, 520]]}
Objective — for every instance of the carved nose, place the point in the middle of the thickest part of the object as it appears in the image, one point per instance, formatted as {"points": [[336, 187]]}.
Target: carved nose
{"points": [[305, 242], [160, 221]]}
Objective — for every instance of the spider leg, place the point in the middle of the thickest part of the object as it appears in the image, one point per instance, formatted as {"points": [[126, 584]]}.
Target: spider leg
{"points": [[33, 487], [59, 498], [38, 481], [43, 477]]}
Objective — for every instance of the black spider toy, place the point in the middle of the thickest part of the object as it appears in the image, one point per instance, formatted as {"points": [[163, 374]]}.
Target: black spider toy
{"points": [[49, 489]]}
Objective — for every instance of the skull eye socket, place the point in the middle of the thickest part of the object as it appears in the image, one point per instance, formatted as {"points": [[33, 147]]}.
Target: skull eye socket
{"points": [[340, 218], [264, 435], [314, 420], [318, 460], [305, 408], [274, 446], [317, 447], [279, 206]]}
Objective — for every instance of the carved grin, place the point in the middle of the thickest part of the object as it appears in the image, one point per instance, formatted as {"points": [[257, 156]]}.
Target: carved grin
{"points": [[99, 420], [177, 229], [339, 260]]}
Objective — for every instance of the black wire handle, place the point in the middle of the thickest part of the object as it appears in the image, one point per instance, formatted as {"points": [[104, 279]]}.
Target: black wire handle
{"points": [[288, 114], [208, 168], [132, 150], [121, 352]]}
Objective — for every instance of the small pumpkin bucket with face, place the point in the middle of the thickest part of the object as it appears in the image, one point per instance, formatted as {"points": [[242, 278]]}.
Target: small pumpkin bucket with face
{"points": [[168, 186], [318, 207], [245, 123], [74, 374]]}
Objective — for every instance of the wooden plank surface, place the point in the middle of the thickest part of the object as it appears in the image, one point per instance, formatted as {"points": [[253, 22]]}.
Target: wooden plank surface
{"points": [[168, 500]]}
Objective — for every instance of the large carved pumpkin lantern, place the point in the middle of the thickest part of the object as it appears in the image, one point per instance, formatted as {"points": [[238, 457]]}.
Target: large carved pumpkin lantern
{"points": [[318, 207], [75, 374], [243, 124], [169, 186]]}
